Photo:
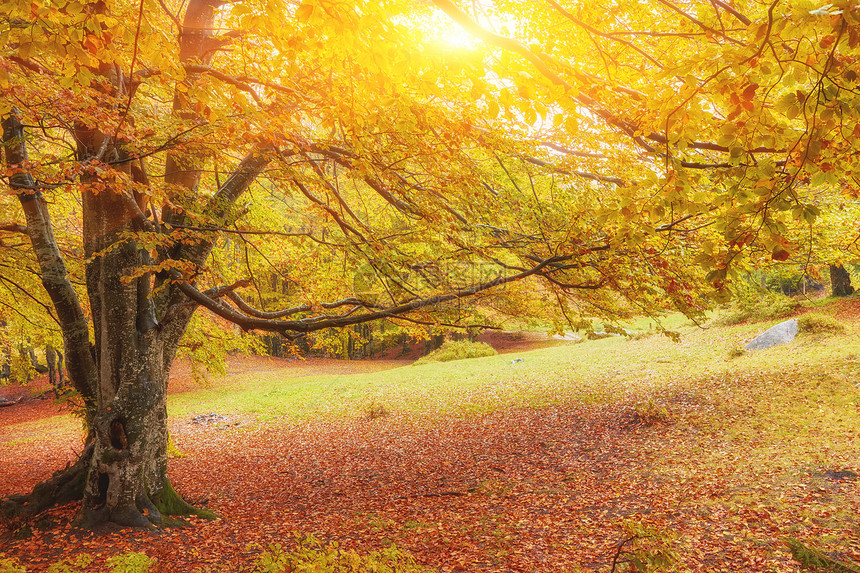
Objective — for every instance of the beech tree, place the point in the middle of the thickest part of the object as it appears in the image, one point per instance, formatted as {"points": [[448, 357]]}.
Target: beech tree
{"points": [[159, 153]]}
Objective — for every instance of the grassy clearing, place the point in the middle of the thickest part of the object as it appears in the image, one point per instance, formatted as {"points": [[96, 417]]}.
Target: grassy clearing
{"points": [[785, 412], [724, 453], [598, 371]]}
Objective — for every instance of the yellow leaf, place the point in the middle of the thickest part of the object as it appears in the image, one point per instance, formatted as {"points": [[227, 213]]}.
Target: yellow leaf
{"points": [[304, 12]]}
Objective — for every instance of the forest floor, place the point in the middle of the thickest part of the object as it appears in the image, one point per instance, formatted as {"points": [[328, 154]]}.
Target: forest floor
{"points": [[551, 457]]}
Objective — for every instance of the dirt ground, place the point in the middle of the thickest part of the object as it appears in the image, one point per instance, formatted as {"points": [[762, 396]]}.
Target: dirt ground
{"points": [[35, 400]]}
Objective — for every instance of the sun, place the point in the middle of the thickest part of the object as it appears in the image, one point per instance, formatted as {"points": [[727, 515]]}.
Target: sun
{"points": [[453, 36], [438, 29]]}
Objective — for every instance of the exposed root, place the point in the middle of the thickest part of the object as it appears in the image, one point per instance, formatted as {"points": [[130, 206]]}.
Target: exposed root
{"points": [[68, 485], [168, 502], [64, 486]]}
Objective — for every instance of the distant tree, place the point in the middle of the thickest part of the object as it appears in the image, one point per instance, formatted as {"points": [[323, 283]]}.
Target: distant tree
{"points": [[840, 281]]}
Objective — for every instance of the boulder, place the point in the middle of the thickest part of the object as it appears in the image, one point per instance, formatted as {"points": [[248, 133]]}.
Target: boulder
{"points": [[774, 336]]}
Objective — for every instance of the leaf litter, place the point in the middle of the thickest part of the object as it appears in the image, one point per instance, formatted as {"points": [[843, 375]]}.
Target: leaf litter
{"points": [[550, 488]]}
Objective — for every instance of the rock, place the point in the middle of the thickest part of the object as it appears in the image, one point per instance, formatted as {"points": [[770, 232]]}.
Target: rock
{"points": [[774, 336], [211, 418], [573, 337], [599, 335]]}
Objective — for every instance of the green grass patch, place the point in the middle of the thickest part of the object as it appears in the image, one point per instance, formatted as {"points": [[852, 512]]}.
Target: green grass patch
{"points": [[594, 372], [817, 323], [457, 350]]}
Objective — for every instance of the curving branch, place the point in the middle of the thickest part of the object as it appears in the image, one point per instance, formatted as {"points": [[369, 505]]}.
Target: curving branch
{"points": [[251, 311], [13, 228], [296, 328]]}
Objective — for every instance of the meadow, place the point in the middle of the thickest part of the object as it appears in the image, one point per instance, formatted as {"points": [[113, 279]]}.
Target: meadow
{"points": [[619, 454]]}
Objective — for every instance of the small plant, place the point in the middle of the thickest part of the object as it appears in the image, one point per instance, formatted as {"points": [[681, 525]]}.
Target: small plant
{"points": [[650, 414], [130, 562], [312, 555], [814, 559], [752, 307], [641, 335], [817, 323], [457, 350], [645, 550], [75, 564], [172, 451], [8, 565], [376, 410]]}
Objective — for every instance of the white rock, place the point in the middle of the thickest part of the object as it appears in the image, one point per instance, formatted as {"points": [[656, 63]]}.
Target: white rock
{"points": [[774, 336]]}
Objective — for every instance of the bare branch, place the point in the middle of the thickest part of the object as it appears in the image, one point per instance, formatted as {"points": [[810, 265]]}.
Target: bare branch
{"points": [[251, 311], [13, 228], [583, 174], [567, 151], [448, 324], [699, 23], [746, 21], [318, 323]]}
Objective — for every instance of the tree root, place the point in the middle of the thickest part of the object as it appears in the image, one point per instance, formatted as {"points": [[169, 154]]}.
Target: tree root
{"points": [[64, 486], [168, 502], [68, 485]]}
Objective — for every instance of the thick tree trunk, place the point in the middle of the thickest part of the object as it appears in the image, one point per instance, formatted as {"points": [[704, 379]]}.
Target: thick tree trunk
{"points": [[122, 375], [840, 281], [127, 476]]}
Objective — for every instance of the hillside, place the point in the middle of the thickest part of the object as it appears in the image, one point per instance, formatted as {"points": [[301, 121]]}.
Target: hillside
{"points": [[566, 458]]}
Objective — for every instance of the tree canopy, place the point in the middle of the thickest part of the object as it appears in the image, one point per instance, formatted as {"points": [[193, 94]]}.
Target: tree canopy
{"points": [[624, 158]]}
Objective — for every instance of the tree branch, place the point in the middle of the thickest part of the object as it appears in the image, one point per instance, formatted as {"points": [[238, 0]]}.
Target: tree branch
{"points": [[13, 228], [597, 32], [743, 19], [318, 323], [55, 278]]}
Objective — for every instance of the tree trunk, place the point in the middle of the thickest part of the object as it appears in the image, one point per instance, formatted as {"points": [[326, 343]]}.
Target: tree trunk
{"points": [[127, 477], [122, 375], [840, 281], [51, 359], [31, 352]]}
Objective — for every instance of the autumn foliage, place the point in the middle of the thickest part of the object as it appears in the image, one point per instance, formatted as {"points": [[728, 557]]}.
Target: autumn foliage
{"points": [[178, 170]]}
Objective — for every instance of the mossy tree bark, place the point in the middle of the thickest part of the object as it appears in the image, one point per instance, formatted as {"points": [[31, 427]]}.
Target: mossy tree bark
{"points": [[122, 373]]}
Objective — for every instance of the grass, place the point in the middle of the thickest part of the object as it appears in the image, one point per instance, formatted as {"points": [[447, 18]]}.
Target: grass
{"points": [[741, 432], [458, 350], [596, 372]]}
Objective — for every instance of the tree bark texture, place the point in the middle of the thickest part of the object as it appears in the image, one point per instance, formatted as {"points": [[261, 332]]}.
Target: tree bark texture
{"points": [[122, 373], [840, 281]]}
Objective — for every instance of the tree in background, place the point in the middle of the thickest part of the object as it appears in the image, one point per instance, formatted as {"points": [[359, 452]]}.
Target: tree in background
{"points": [[840, 281], [613, 155]]}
